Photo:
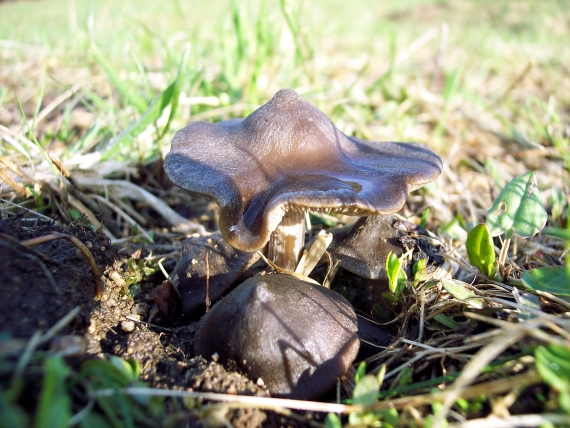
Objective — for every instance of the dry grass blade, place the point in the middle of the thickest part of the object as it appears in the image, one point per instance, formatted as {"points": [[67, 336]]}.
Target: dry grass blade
{"points": [[124, 188], [518, 421], [487, 388], [472, 369]]}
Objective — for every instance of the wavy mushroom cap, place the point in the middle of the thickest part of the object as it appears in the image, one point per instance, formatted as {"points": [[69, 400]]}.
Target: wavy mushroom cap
{"points": [[288, 155], [296, 336]]}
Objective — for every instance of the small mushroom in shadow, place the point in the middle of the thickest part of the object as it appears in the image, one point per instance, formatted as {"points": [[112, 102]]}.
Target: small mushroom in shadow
{"points": [[207, 268], [364, 248], [296, 336], [285, 158]]}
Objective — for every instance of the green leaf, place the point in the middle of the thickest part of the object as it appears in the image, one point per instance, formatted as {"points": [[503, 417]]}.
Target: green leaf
{"points": [[332, 421], [360, 372], [424, 218], [13, 416], [380, 375], [446, 321], [419, 269], [396, 276], [406, 376], [54, 409], [366, 390], [481, 251], [176, 89], [559, 233], [129, 369], [461, 291], [518, 207], [553, 364], [553, 280]]}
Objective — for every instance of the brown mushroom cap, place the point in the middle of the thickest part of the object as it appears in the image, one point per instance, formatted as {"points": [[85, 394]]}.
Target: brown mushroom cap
{"points": [[364, 248], [288, 155], [296, 336]]}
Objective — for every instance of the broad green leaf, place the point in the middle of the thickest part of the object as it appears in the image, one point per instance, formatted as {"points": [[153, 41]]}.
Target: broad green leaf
{"points": [[130, 369], [461, 291], [518, 207], [553, 364], [54, 409], [481, 251], [553, 280], [366, 390]]}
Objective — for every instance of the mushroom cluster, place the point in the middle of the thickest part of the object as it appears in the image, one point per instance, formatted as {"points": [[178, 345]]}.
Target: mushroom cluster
{"points": [[265, 172]]}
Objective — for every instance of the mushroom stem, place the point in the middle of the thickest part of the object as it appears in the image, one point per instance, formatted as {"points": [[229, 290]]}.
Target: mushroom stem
{"points": [[287, 241]]}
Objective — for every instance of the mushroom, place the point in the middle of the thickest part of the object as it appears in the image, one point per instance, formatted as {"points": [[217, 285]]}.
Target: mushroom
{"points": [[296, 336], [285, 158], [207, 268], [364, 248]]}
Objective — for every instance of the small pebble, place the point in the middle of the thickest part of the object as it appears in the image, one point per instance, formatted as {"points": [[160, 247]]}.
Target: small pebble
{"points": [[128, 326]]}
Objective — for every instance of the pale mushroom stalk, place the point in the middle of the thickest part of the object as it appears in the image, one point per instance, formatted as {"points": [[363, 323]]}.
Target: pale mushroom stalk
{"points": [[287, 240]]}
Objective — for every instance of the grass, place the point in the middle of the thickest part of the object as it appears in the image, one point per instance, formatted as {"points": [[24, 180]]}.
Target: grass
{"points": [[104, 85]]}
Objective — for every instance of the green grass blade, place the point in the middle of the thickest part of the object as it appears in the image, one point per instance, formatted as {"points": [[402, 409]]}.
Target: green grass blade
{"points": [[129, 96], [55, 402], [176, 88], [152, 113], [35, 140]]}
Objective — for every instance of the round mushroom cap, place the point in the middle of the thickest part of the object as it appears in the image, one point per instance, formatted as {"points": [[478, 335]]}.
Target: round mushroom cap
{"points": [[288, 155], [225, 265], [296, 336]]}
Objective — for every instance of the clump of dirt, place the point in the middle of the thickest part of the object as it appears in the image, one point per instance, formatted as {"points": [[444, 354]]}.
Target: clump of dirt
{"points": [[41, 284]]}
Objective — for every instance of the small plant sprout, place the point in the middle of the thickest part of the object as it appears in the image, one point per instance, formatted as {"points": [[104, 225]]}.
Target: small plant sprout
{"points": [[396, 276], [517, 210], [481, 251]]}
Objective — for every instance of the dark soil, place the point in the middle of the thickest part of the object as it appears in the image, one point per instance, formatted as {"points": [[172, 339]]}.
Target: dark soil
{"points": [[40, 284]]}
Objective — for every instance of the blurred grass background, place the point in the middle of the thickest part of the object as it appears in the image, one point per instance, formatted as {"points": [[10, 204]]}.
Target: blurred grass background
{"points": [[383, 70]]}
